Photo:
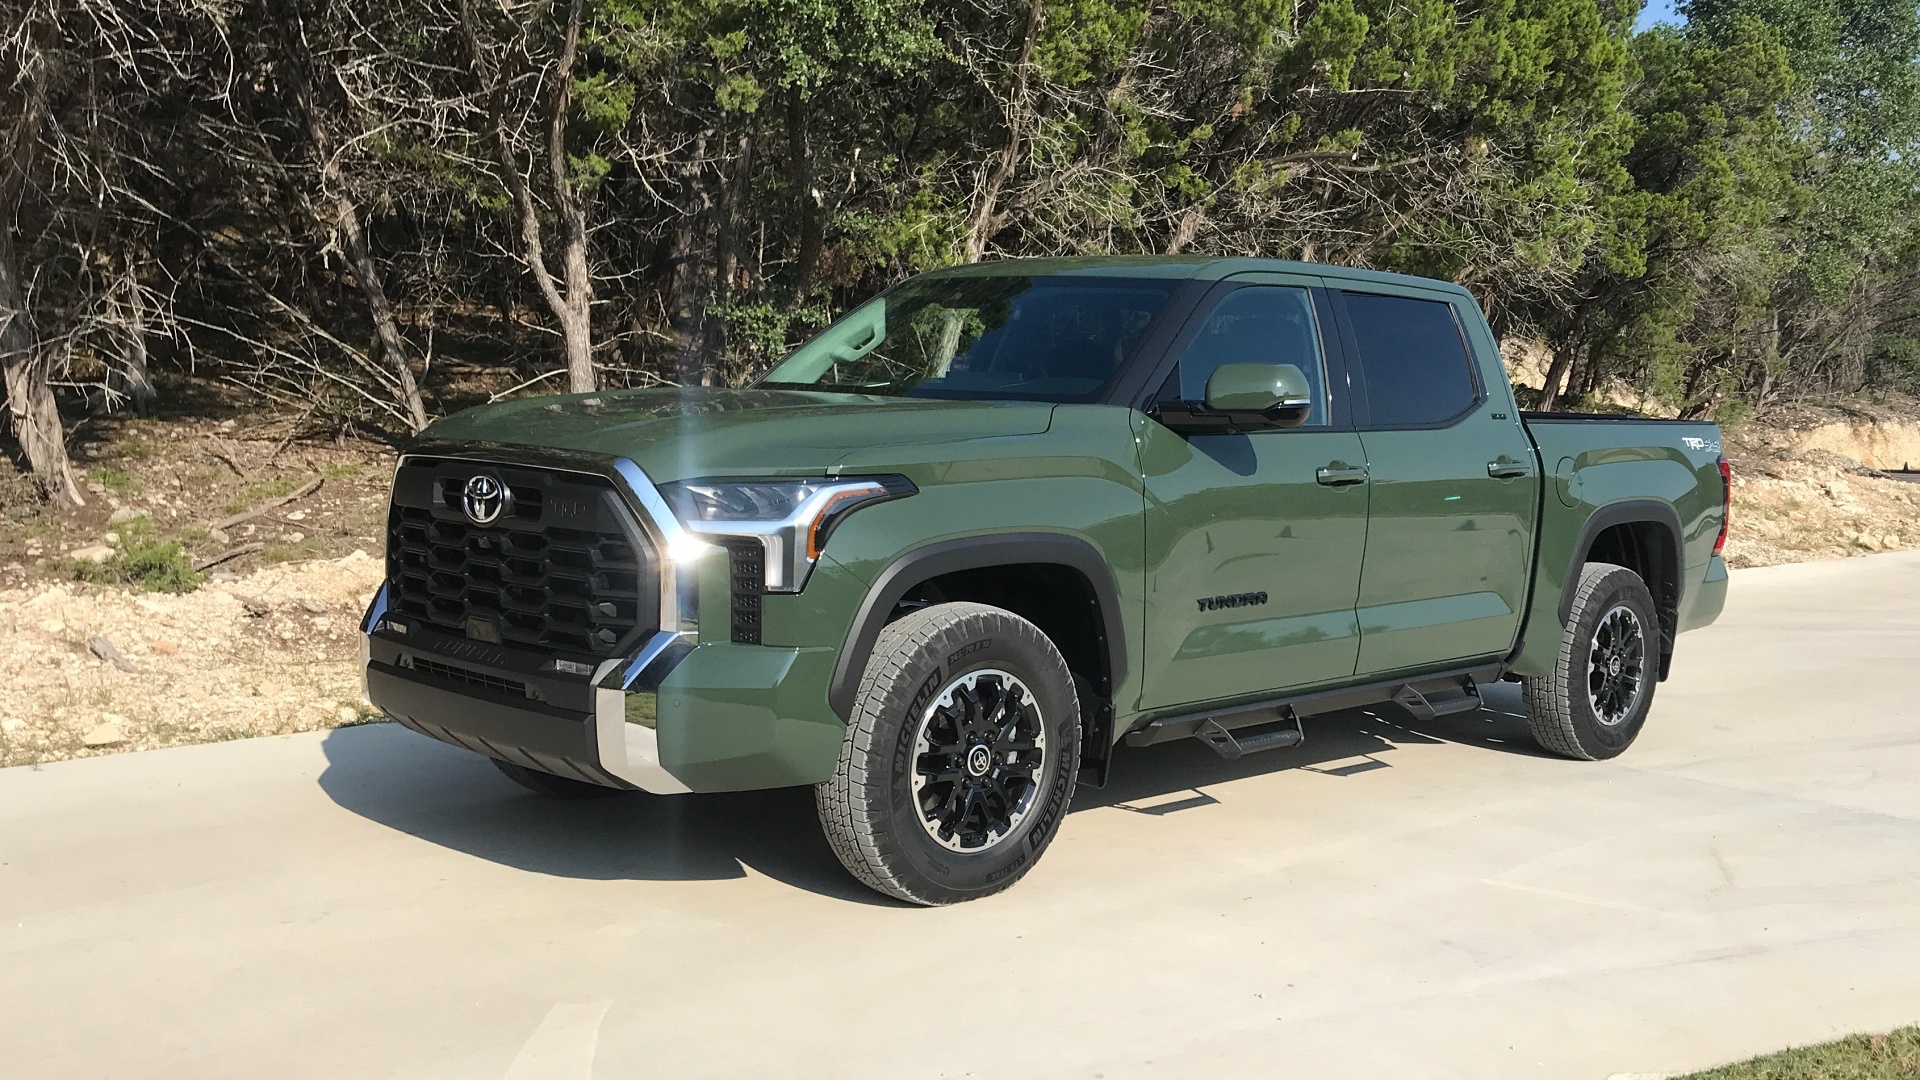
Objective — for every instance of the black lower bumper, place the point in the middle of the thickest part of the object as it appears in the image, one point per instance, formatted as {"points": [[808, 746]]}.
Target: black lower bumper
{"points": [[528, 733]]}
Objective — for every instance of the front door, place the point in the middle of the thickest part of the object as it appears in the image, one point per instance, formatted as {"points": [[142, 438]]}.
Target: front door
{"points": [[1452, 484], [1254, 540]]}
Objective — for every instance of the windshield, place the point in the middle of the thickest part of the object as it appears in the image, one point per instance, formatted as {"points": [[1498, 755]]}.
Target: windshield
{"points": [[1034, 338]]}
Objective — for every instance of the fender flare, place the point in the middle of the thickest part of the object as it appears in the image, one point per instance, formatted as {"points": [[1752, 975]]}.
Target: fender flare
{"points": [[974, 553], [1632, 512]]}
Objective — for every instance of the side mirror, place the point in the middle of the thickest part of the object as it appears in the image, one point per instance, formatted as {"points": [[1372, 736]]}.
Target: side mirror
{"points": [[1255, 396]]}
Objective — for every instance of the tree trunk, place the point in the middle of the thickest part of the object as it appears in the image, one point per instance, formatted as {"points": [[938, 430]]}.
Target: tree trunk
{"points": [[987, 204], [1187, 228], [576, 320], [32, 415], [310, 86], [1556, 371], [366, 274], [569, 298], [576, 312], [732, 210], [132, 379], [800, 161], [687, 288]]}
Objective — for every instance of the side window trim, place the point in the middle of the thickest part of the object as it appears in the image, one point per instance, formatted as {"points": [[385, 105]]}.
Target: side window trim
{"points": [[1333, 354], [1349, 405], [1363, 418]]}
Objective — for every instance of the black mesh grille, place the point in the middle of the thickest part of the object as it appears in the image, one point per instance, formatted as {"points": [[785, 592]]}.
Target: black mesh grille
{"points": [[747, 563], [563, 571], [450, 673]]}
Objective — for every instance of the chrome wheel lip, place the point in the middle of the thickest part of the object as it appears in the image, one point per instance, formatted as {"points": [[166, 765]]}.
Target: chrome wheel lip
{"points": [[1616, 665], [932, 824]]}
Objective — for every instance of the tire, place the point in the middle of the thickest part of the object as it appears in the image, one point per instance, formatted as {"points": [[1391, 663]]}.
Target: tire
{"points": [[559, 787], [1583, 709], [938, 679]]}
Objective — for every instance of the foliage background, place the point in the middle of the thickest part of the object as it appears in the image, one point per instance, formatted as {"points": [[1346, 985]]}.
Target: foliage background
{"points": [[354, 209]]}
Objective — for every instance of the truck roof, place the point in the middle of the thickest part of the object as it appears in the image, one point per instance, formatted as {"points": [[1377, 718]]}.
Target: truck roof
{"points": [[1198, 268]]}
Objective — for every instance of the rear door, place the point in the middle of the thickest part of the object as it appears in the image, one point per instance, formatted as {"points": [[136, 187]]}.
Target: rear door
{"points": [[1254, 540], [1452, 481]]}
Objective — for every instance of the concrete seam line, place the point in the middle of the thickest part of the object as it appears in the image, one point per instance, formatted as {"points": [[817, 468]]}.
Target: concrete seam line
{"points": [[563, 1046]]}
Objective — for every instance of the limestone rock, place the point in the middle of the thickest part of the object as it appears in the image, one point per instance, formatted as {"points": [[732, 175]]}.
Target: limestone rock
{"points": [[107, 734]]}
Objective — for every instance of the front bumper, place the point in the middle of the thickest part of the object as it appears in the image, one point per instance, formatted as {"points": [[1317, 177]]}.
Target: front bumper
{"points": [[678, 714], [677, 717], [599, 747]]}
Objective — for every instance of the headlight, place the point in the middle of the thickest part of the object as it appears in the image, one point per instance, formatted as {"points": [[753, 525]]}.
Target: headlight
{"points": [[790, 519]]}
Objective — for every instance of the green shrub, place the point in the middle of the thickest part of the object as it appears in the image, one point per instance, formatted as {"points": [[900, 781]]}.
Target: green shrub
{"points": [[1732, 414], [143, 561], [115, 480]]}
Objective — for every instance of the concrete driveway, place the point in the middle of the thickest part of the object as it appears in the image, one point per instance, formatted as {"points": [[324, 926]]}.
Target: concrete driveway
{"points": [[1390, 900]]}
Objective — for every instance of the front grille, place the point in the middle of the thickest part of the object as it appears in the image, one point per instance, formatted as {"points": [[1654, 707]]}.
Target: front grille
{"points": [[564, 571], [747, 567], [481, 679]]}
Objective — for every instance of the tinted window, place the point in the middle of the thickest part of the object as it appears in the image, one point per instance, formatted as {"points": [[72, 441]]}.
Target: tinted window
{"points": [[1043, 338], [1415, 362], [1256, 325]]}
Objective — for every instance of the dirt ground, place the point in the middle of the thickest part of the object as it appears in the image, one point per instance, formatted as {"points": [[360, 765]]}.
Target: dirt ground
{"points": [[1820, 483], [272, 652], [267, 642]]}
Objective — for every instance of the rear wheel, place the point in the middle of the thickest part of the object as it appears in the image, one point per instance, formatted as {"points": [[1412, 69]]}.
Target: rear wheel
{"points": [[959, 760], [559, 787], [1595, 701]]}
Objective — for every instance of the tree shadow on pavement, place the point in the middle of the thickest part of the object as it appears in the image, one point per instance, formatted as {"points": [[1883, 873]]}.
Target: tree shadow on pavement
{"points": [[457, 799]]}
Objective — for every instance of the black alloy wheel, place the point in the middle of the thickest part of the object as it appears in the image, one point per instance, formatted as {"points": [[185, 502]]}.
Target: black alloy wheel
{"points": [[977, 760], [1616, 665], [960, 758], [1594, 699]]}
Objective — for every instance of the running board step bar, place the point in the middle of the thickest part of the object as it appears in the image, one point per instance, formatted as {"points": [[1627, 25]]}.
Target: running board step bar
{"points": [[1426, 697], [1464, 697], [1224, 742]]}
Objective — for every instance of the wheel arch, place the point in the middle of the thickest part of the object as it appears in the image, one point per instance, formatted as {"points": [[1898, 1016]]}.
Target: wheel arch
{"points": [[973, 563], [1643, 535]]}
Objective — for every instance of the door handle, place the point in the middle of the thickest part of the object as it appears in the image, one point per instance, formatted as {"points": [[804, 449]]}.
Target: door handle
{"points": [[1507, 469], [1340, 474]]}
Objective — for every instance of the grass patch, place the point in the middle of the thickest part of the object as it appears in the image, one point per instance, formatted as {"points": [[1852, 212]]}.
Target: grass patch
{"points": [[132, 448], [260, 491], [367, 715], [279, 551], [115, 480], [143, 561], [1893, 1056]]}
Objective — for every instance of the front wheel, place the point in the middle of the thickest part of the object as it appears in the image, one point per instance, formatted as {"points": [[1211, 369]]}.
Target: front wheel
{"points": [[960, 757], [1596, 699]]}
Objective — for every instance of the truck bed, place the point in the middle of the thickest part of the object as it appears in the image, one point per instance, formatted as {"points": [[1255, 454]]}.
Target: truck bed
{"points": [[1598, 467]]}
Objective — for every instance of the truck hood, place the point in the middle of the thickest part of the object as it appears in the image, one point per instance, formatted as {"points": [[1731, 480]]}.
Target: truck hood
{"points": [[675, 434]]}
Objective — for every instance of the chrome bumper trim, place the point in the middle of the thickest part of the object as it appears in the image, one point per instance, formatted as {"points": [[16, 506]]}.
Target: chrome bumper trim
{"points": [[628, 750]]}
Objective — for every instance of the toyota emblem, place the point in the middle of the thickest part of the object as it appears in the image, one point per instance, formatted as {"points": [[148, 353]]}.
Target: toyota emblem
{"points": [[485, 499]]}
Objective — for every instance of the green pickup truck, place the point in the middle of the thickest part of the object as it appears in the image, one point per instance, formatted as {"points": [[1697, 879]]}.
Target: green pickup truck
{"points": [[948, 554]]}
